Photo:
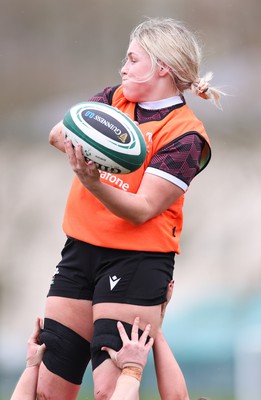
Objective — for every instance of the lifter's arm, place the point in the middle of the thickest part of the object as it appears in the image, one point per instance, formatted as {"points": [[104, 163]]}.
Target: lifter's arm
{"points": [[171, 382]]}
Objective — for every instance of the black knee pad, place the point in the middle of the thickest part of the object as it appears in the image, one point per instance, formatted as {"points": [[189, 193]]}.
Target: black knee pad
{"points": [[106, 334], [67, 353]]}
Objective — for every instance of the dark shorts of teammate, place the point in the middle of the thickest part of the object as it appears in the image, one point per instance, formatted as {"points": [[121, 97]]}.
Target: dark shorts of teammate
{"points": [[110, 275]]}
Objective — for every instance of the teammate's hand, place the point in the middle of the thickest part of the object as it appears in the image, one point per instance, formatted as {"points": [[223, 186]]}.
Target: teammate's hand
{"points": [[35, 351], [134, 351]]}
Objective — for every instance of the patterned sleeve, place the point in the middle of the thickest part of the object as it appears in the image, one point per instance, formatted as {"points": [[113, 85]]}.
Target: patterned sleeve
{"points": [[179, 160], [105, 96]]}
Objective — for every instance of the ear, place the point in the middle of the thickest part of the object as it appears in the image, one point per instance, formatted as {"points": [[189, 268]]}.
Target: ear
{"points": [[163, 69]]}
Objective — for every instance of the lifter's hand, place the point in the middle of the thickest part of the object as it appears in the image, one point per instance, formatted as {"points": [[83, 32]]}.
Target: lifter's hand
{"points": [[134, 352], [35, 351], [86, 171]]}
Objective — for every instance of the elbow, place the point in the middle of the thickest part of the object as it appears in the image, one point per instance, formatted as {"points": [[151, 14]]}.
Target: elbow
{"points": [[56, 137], [134, 222], [138, 219], [52, 139]]}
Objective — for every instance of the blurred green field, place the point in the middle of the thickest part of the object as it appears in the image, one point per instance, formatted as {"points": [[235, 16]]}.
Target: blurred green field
{"points": [[144, 397], [156, 397], [148, 390]]}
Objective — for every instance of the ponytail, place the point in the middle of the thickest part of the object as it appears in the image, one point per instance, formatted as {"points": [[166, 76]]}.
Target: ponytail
{"points": [[203, 89]]}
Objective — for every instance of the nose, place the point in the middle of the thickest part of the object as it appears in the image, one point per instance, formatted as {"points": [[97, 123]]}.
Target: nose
{"points": [[124, 69]]}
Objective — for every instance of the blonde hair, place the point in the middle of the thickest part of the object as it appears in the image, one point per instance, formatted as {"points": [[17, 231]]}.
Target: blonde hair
{"points": [[170, 44]]}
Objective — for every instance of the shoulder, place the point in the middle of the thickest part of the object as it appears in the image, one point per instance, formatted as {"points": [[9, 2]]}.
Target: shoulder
{"points": [[105, 96]]}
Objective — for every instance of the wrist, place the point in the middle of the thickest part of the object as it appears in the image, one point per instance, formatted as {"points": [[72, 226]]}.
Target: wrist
{"points": [[95, 187], [131, 364], [134, 371]]}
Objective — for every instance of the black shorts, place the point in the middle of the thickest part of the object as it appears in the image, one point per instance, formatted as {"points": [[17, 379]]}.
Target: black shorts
{"points": [[110, 275]]}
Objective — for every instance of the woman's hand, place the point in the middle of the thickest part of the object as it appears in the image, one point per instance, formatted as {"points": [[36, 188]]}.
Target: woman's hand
{"points": [[35, 351], [135, 208], [86, 171], [134, 351]]}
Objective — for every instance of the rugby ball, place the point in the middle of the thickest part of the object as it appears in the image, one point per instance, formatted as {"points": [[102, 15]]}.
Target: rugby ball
{"points": [[108, 137]]}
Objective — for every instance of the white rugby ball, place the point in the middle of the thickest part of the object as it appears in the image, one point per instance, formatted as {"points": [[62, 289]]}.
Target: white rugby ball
{"points": [[108, 137]]}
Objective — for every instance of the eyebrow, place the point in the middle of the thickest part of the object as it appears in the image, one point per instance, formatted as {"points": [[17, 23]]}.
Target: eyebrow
{"points": [[131, 53]]}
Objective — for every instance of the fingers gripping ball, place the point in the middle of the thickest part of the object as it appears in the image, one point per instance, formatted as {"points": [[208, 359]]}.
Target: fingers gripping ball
{"points": [[108, 137]]}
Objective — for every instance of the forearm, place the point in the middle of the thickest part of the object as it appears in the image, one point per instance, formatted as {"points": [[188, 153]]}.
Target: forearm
{"points": [[171, 382], [129, 206], [154, 195], [26, 386], [127, 388]]}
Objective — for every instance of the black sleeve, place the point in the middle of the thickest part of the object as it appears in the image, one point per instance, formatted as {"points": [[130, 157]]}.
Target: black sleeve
{"points": [[105, 96]]}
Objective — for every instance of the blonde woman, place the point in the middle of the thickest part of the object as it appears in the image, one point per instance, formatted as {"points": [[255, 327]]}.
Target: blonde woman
{"points": [[119, 255]]}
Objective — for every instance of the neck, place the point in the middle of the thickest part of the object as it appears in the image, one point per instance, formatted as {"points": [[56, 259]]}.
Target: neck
{"points": [[163, 103]]}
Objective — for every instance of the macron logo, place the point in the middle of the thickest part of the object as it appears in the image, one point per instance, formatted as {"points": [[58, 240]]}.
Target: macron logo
{"points": [[113, 281]]}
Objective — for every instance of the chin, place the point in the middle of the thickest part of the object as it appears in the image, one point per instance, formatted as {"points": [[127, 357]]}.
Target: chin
{"points": [[130, 96]]}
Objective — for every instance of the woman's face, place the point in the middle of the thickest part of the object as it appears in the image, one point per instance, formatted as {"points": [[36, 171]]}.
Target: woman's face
{"points": [[139, 81]]}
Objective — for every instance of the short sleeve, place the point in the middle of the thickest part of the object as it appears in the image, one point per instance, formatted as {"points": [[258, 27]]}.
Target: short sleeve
{"points": [[179, 160]]}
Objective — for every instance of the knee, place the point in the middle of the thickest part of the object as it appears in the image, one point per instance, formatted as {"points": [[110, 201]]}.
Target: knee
{"points": [[53, 387], [42, 392], [42, 395], [103, 389], [45, 392], [67, 353], [102, 395]]}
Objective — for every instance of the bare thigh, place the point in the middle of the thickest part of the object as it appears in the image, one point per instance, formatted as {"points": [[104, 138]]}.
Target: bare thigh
{"points": [[127, 313], [76, 315]]}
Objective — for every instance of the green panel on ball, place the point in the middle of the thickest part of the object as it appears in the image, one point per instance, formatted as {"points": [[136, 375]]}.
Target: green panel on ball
{"points": [[129, 162]]}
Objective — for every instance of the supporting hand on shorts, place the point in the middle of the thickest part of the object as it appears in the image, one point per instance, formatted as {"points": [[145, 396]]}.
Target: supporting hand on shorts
{"points": [[35, 351], [134, 351]]}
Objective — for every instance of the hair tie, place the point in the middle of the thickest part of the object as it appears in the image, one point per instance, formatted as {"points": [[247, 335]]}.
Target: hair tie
{"points": [[201, 86]]}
